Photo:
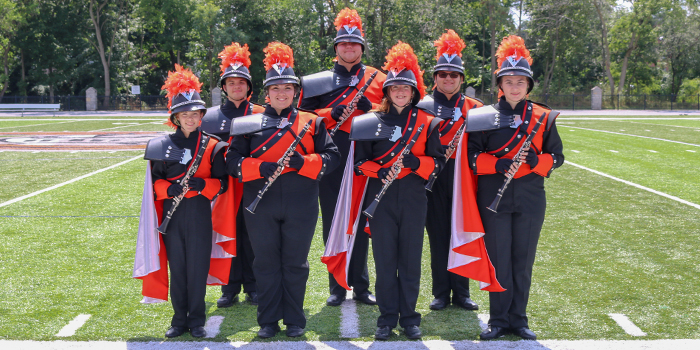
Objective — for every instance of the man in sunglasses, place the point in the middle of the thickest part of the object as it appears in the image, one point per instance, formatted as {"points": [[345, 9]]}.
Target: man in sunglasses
{"points": [[449, 104]]}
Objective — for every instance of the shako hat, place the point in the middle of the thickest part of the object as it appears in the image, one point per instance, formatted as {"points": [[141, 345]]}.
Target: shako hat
{"points": [[279, 61], [514, 59], [402, 69], [183, 89], [349, 26], [449, 53], [235, 63]]}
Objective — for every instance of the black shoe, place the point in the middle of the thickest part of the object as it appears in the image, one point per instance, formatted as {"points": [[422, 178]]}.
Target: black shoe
{"points": [[198, 332], [268, 330], [382, 333], [465, 302], [413, 332], [438, 304], [525, 333], [366, 298], [335, 300], [252, 297], [493, 332], [294, 331], [175, 331], [227, 300]]}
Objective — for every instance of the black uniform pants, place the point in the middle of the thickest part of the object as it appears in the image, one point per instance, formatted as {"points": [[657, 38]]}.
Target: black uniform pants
{"points": [[242, 265], [280, 232], [329, 188], [438, 224], [397, 243], [188, 247], [511, 238]]}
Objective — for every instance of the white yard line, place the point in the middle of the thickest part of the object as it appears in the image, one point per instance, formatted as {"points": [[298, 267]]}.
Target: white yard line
{"points": [[670, 126], [697, 206], [644, 137], [72, 326], [67, 182], [118, 127], [349, 320], [628, 326], [663, 344], [213, 326]]}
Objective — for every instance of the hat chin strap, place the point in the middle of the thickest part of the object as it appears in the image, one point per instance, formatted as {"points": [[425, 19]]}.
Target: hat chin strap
{"points": [[358, 59], [404, 106], [456, 90]]}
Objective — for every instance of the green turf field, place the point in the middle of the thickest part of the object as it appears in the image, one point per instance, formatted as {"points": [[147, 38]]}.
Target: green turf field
{"points": [[606, 247]]}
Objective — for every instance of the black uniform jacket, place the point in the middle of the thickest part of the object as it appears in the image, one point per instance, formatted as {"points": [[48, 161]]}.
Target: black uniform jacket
{"points": [[526, 189], [214, 124], [247, 152], [371, 156], [212, 167]]}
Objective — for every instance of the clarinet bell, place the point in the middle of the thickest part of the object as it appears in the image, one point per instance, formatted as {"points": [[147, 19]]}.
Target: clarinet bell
{"points": [[369, 212]]}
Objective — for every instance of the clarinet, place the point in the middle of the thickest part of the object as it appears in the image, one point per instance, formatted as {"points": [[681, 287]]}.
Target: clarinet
{"points": [[451, 147], [351, 108], [395, 169], [518, 163], [186, 186], [280, 167]]}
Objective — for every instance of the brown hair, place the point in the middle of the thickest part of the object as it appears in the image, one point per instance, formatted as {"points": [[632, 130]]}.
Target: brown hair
{"points": [[385, 104]]}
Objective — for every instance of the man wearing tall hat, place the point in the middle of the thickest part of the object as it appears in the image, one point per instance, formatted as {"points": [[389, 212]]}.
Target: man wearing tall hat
{"points": [[237, 86], [332, 94]]}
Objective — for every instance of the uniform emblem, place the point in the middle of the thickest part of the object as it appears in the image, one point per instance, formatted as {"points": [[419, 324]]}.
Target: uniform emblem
{"points": [[354, 80], [449, 58], [188, 95], [279, 67], [283, 123], [456, 114], [512, 60], [236, 65], [349, 29], [186, 156], [396, 134], [516, 122]]}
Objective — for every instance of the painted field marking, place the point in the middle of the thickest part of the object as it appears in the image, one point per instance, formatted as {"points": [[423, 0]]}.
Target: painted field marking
{"points": [[690, 150], [11, 201], [697, 206], [123, 126], [483, 321], [614, 151], [652, 151], [72, 326], [628, 326], [213, 326], [23, 126], [36, 151], [666, 125], [349, 319], [644, 137], [575, 151]]}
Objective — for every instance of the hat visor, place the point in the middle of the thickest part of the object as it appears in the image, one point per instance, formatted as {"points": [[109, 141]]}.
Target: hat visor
{"points": [[437, 69]]}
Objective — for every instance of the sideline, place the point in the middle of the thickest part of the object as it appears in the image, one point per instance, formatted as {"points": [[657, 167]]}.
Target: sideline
{"points": [[11, 201], [631, 135], [696, 206], [662, 344]]}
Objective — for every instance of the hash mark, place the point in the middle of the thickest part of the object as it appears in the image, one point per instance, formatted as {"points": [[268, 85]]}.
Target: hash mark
{"points": [[72, 326], [627, 325]]}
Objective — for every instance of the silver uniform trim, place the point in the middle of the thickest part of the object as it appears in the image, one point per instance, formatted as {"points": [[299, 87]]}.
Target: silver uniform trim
{"points": [[436, 68], [233, 75], [529, 71], [401, 78], [350, 35]]}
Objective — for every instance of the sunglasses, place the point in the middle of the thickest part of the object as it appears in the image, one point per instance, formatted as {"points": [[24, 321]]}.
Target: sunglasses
{"points": [[452, 75]]}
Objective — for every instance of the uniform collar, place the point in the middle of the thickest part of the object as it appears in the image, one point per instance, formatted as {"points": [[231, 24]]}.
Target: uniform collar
{"points": [[504, 106], [273, 112], [231, 107], [442, 99], [340, 70]]}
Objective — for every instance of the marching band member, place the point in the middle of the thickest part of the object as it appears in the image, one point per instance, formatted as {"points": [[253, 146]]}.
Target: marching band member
{"points": [[397, 224], [449, 104], [513, 228], [332, 94], [187, 239], [283, 223], [236, 84]]}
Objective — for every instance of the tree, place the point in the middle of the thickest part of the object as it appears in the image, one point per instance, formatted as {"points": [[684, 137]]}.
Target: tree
{"points": [[100, 15], [11, 19]]}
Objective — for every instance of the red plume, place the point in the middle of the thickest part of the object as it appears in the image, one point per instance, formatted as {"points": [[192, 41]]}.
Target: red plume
{"points": [[276, 52], [512, 45], [181, 80], [449, 43], [234, 54], [350, 18], [400, 57]]}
